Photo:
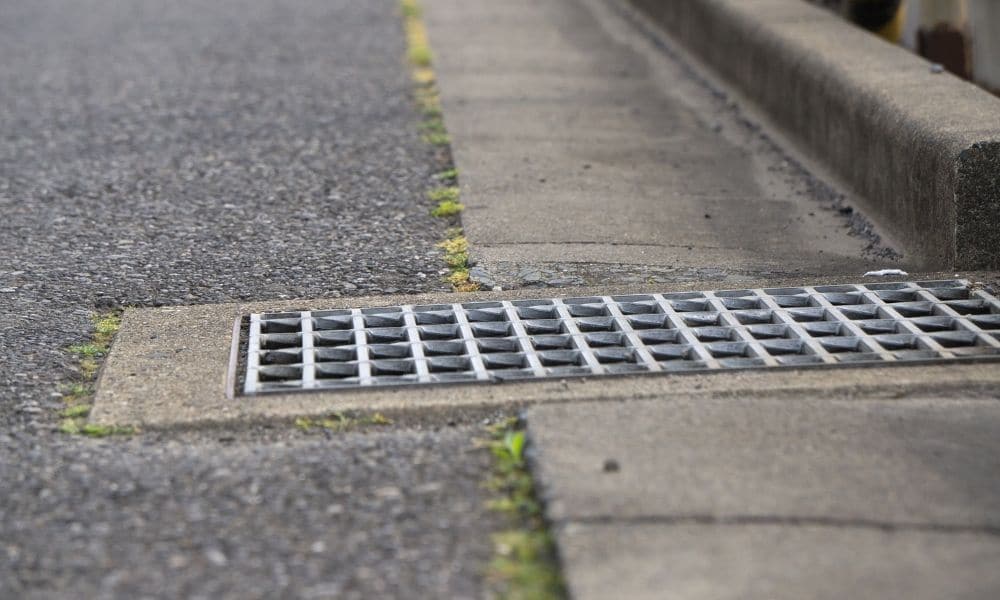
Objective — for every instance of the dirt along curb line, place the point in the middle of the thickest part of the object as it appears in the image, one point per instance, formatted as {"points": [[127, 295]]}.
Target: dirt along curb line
{"points": [[921, 148]]}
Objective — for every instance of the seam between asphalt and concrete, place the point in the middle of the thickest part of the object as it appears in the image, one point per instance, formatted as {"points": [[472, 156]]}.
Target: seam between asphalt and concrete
{"points": [[921, 149]]}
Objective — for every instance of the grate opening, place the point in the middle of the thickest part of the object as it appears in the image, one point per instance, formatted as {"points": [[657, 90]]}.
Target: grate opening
{"points": [[643, 333]]}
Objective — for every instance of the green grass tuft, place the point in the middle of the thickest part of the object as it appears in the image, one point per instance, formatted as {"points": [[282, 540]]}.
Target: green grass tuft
{"points": [[77, 411], [443, 194], [447, 209], [411, 10], [102, 431], [456, 256], [450, 175], [87, 350], [524, 565], [77, 395], [77, 426], [437, 139], [420, 56]]}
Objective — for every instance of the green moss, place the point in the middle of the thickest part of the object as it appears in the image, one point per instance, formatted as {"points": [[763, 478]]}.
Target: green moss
{"points": [[449, 175], [430, 110], [456, 256], [447, 209], [100, 431], [77, 411], [77, 392], [443, 194], [410, 9], [342, 422], [420, 56], [437, 139], [87, 350], [106, 326], [69, 426], [77, 395], [435, 133], [524, 565], [456, 252], [79, 426], [433, 125]]}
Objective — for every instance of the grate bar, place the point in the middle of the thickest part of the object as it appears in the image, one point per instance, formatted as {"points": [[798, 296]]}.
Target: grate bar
{"points": [[523, 340], [633, 339], [578, 343], [250, 384], [965, 324], [925, 340], [688, 336], [308, 352], [848, 324], [416, 348], [880, 323], [744, 335], [470, 343], [361, 347], [786, 319]]}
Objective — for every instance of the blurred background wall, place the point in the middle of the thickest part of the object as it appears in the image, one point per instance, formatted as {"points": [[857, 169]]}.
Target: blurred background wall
{"points": [[961, 35]]}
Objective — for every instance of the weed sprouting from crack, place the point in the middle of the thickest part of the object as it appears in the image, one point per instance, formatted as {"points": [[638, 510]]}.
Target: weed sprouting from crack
{"points": [[524, 565], [418, 50], [91, 353], [456, 252], [78, 396], [446, 200], [456, 256], [443, 194], [448, 175]]}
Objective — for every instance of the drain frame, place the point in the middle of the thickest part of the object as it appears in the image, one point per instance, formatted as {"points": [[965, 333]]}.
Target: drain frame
{"points": [[364, 336]]}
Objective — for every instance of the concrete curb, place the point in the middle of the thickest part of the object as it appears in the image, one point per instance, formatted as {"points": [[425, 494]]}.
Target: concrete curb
{"points": [[922, 149]]}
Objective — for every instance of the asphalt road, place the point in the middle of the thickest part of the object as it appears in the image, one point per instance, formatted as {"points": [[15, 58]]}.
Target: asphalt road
{"points": [[176, 152]]}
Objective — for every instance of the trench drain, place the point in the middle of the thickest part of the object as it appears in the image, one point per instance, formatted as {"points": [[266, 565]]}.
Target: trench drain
{"points": [[498, 341]]}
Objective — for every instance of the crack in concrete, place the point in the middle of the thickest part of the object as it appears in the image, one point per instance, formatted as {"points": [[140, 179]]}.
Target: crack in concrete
{"points": [[786, 521]]}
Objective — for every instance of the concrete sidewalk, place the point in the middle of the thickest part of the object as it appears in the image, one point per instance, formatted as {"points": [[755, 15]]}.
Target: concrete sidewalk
{"points": [[795, 498], [586, 151], [589, 153]]}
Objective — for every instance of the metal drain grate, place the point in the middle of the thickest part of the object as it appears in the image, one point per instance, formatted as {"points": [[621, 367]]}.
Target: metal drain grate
{"points": [[560, 337]]}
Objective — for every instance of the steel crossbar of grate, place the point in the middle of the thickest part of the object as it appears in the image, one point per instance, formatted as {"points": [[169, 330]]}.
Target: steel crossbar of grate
{"points": [[670, 332]]}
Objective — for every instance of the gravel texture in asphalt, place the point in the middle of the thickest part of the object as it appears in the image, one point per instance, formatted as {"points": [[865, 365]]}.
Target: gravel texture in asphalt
{"points": [[357, 515], [176, 152], [180, 152]]}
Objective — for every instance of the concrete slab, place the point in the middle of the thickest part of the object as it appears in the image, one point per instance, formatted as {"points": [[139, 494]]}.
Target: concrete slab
{"points": [[168, 368], [910, 462], [700, 562], [568, 126]]}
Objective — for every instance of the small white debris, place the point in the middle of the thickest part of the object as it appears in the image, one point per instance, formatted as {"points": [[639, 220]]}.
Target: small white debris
{"points": [[886, 273], [216, 557], [937, 68], [497, 288]]}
